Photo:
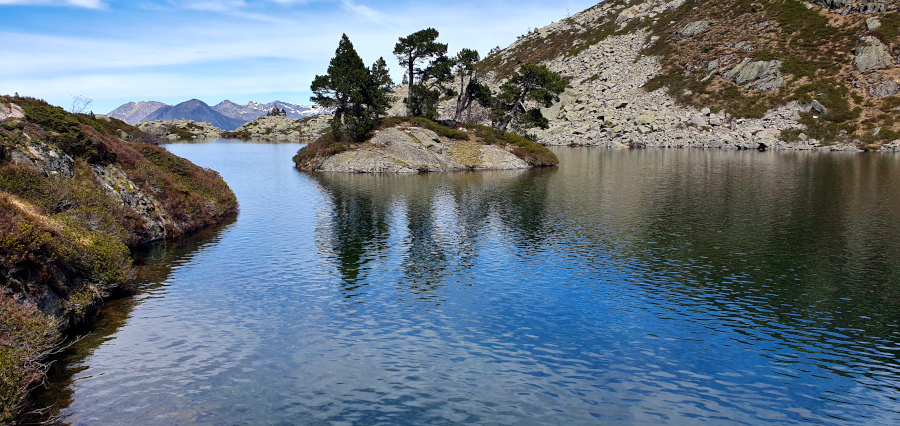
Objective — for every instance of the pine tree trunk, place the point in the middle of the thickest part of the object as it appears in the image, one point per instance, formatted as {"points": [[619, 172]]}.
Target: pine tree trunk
{"points": [[412, 81], [512, 112]]}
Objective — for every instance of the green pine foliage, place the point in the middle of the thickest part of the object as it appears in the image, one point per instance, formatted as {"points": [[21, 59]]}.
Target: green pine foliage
{"points": [[358, 95], [534, 82], [428, 70]]}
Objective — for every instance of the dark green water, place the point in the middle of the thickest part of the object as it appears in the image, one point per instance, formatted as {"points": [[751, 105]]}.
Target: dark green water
{"points": [[625, 286]]}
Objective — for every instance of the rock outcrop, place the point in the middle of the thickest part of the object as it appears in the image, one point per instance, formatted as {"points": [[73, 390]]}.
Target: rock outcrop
{"points": [[884, 89], [415, 150], [11, 110], [871, 55], [862, 6], [416, 145], [693, 29]]}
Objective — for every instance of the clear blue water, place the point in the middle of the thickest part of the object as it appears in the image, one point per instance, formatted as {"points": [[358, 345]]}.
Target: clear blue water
{"points": [[624, 287]]}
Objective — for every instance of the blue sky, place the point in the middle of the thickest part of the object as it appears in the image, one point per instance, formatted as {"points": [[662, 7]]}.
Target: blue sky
{"points": [[171, 51]]}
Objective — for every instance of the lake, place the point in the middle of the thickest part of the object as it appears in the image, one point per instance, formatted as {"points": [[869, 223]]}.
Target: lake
{"points": [[625, 286]]}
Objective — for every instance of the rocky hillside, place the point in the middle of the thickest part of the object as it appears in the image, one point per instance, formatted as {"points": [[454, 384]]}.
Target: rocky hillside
{"points": [[180, 129], [76, 193], [135, 112], [283, 128], [721, 73], [415, 145]]}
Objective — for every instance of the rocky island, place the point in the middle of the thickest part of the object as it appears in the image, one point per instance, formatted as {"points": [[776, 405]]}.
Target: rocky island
{"points": [[77, 193], [282, 128], [181, 129], [415, 145]]}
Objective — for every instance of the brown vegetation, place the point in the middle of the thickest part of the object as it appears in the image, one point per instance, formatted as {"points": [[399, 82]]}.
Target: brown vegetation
{"points": [[64, 240]]}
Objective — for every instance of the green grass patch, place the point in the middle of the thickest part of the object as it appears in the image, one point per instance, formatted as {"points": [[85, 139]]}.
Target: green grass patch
{"points": [[330, 143], [533, 153]]}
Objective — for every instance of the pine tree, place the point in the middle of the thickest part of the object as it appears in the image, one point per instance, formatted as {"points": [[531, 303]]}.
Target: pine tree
{"points": [[359, 95], [535, 82], [346, 77], [470, 90], [413, 50]]}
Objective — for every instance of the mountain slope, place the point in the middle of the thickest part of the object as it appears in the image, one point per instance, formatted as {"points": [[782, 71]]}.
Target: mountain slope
{"points": [[253, 110], [196, 110], [135, 112], [724, 73]]}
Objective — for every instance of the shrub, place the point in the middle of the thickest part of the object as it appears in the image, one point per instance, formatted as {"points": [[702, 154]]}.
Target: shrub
{"points": [[330, 143], [65, 130], [26, 336], [533, 153], [445, 131]]}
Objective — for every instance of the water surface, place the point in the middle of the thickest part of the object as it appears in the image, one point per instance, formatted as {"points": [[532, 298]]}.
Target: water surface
{"points": [[625, 286]]}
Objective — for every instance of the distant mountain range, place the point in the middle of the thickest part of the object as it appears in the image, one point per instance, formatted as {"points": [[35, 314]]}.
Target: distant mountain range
{"points": [[196, 110], [252, 110], [226, 115], [135, 112]]}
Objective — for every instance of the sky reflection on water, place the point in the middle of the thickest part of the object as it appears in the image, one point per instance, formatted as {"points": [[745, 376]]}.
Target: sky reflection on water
{"points": [[673, 286]]}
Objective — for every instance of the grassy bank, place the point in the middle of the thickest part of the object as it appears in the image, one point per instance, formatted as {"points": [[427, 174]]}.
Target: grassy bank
{"points": [[76, 193]]}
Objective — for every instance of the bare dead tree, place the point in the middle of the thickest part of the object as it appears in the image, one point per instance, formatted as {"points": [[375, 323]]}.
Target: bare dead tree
{"points": [[80, 104]]}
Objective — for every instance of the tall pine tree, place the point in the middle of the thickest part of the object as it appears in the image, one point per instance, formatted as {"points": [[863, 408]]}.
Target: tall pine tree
{"points": [[413, 51], [358, 95]]}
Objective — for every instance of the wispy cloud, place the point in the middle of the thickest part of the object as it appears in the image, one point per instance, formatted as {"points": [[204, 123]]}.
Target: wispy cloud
{"points": [[210, 6], [90, 4], [367, 13], [148, 49]]}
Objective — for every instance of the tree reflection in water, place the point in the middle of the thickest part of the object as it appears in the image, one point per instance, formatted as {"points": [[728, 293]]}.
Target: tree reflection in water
{"points": [[432, 223]]}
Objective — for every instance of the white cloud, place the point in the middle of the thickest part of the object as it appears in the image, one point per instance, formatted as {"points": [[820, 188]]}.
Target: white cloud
{"points": [[211, 6], [367, 12], [90, 4]]}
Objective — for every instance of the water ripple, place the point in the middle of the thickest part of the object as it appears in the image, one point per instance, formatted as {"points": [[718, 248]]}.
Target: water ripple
{"points": [[624, 287]]}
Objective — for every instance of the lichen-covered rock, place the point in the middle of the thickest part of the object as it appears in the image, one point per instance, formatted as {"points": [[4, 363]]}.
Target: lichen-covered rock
{"points": [[872, 55], [884, 89], [764, 76], [693, 29], [818, 107], [43, 158], [873, 23], [11, 111], [116, 184]]}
